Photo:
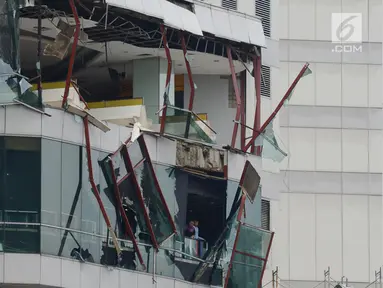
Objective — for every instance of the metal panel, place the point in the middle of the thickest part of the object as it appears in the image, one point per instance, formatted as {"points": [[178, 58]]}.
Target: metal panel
{"points": [[172, 15], [191, 23], [151, 8], [265, 214], [180, 18], [251, 180], [130, 5], [230, 4], [221, 22], [205, 18], [255, 30], [262, 10], [237, 23]]}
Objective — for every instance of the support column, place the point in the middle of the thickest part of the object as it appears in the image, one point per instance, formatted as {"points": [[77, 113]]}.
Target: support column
{"points": [[149, 80]]}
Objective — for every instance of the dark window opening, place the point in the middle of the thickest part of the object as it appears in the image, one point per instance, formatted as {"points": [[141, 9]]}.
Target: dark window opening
{"points": [[179, 102], [205, 203]]}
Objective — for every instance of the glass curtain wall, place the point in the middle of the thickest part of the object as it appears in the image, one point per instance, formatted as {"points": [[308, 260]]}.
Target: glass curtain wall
{"points": [[47, 205], [20, 172]]}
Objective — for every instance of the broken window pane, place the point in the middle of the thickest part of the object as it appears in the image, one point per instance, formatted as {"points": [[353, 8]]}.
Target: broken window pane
{"points": [[245, 272], [269, 144], [186, 124], [249, 257], [158, 216], [253, 241], [138, 223], [13, 86]]}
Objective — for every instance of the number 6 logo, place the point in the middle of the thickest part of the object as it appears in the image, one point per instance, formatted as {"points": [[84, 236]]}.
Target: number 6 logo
{"points": [[345, 29]]}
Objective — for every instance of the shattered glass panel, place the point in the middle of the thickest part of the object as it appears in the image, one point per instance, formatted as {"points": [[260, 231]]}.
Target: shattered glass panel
{"points": [[186, 124], [119, 166], [270, 146], [13, 86], [225, 239], [245, 272], [249, 257], [135, 153], [158, 216], [307, 72], [254, 241], [139, 227]]}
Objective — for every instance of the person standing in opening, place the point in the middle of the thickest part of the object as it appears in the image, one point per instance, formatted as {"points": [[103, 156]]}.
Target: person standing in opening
{"points": [[190, 230], [199, 239]]}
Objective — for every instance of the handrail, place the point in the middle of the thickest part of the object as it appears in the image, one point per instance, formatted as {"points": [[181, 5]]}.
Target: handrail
{"points": [[125, 241]]}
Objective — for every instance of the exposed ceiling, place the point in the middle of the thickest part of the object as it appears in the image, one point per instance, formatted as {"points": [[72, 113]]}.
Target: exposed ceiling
{"points": [[118, 52]]}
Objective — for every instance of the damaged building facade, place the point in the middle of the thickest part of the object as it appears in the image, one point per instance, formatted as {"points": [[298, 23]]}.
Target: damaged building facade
{"points": [[105, 159]]}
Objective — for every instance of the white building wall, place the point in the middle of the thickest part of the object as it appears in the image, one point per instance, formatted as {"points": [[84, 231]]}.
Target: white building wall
{"points": [[57, 272], [330, 209]]}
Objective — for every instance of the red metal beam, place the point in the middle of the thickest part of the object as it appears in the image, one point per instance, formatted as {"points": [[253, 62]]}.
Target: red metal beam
{"points": [[237, 96], [272, 116], [96, 193], [257, 83], [267, 257], [232, 256], [243, 110], [190, 75], [129, 231], [73, 54], [145, 152], [168, 77], [136, 187]]}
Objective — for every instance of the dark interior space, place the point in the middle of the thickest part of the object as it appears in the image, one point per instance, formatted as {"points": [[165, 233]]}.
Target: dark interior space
{"points": [[206, 203]]}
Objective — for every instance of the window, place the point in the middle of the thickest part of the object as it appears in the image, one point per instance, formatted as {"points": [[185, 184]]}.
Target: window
{"points": [[262, 10], [265, 217], [20, 186], [231, 93], [229, 4], [265, 81]]}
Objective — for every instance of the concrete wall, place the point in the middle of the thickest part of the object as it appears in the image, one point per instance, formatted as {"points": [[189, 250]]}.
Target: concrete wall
{"points": [[330, 210], [48, 271]]}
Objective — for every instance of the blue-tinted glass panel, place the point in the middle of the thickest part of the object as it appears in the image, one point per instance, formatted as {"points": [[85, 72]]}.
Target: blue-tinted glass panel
{"points": [[71, 186], [51, 153]]}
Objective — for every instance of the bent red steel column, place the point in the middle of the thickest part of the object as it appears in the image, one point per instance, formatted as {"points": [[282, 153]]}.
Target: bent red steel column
{"points": [[287, 94], [243, 109], [168, 76], [257, 86], [96, 193], [145, 152], [128, 228], [188, 69], [73, 54], [136, 187], [237, 96]]}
